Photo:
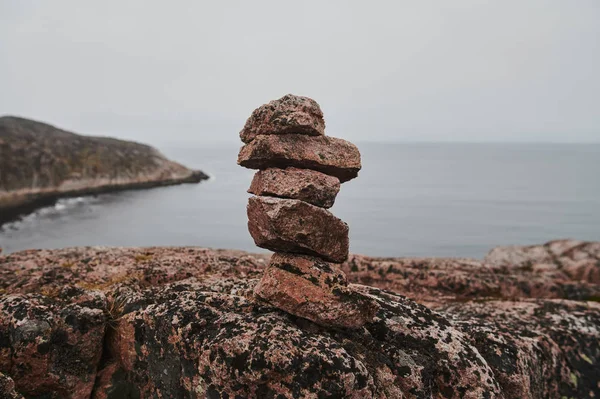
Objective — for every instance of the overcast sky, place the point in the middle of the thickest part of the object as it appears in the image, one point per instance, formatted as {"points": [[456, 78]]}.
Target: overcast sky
{"points": [[160, 71]]}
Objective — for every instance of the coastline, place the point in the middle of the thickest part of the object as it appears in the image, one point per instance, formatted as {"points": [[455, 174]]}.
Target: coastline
{"points": [[40, 164], [15, 205]]}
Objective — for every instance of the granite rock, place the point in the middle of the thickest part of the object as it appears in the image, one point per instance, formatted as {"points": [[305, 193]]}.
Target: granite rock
{"points": [[302, 184], [536, 348], [183, 322], [578, 259], [7, 388], [52, 342], [332, 156], [308, 287], [435, 281], [112, 381], [191, 339], [287, 225], [289, 114]]}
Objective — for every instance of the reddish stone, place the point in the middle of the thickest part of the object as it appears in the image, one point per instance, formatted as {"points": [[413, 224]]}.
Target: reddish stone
{"points": [[332, 156], [308, 287], [54, 341], [580, 260], [437, 281], [287, 225], [111, 383], [7, 388], [289, 114], [195, 339], [536, 348], [188, 325], [303, 184]]}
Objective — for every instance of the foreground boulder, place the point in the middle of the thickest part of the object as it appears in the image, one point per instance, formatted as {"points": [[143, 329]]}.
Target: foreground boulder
{"points": [[536, 348], [183, 322], [7, 388], [201, 340], [295, 226], [52, 342]]}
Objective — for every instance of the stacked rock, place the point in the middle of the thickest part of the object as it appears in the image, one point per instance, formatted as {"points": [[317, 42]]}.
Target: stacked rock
{"points": [[300, 171]]}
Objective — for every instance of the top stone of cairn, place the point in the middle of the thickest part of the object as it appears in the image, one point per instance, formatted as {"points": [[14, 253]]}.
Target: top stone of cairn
{"points": [[289, 114]]}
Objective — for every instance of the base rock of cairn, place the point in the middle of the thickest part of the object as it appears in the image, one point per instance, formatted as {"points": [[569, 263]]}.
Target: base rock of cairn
{"points": [[291, 279], [300, 171]]}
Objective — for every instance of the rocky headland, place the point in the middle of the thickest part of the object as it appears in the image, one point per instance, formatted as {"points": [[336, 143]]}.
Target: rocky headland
{"points": [[40, 163]]}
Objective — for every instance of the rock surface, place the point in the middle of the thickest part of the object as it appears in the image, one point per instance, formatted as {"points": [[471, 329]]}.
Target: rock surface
{"points": [[578, 259], [308, 287], [183, 322], [7, 388], [536, 348], [330, 155], [435, 281], [289, 114], [288, 225], [306, 185], [41, 163], [52, 342]]}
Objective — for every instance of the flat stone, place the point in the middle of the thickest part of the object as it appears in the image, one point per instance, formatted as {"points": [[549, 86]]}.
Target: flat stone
{"points": [[310, 288], [330, 155], [287, 225], [303, 184], [289, 114]]}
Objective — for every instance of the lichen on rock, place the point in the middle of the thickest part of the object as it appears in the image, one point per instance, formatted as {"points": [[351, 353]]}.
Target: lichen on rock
{"points": [[289, 114], [192, 312]]}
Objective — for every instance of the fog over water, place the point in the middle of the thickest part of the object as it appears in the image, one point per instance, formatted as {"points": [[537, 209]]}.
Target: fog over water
{"points": [[409, 200]]}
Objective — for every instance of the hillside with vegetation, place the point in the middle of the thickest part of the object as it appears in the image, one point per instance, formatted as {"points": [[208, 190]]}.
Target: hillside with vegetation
{"points": [[40, 163]]}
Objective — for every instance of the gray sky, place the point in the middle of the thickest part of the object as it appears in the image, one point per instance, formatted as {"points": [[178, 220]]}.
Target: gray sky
{"points": [[160, 71]]}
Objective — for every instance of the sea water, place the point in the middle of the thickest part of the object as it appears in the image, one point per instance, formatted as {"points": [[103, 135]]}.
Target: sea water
{"points": [[408, 200]]}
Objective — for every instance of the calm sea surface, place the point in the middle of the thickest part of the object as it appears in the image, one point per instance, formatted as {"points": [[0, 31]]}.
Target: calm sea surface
{"points": [[409, 200]]}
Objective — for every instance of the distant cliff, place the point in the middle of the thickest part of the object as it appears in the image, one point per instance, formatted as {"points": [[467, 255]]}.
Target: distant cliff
{"points": [[40, 163]]}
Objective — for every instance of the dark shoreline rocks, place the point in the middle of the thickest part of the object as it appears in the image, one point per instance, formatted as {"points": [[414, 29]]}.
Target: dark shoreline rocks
{"points": [[183, 322], [41, 164]]}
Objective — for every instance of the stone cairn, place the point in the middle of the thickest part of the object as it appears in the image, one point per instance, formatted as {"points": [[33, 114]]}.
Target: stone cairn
{"points": [[300, 171]]}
